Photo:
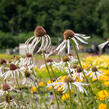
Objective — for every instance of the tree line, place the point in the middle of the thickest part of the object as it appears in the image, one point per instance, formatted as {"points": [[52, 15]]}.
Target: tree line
{"points": [[19, 17]]}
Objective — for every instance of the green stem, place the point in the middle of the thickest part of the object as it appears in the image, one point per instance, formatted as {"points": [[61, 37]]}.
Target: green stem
{"points": [[53, 72], [89, 87], [80, 99], [51, 81], [70, 96]]}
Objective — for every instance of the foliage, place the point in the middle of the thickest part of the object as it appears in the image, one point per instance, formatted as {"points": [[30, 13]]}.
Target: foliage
{"points": [[83, 16]]}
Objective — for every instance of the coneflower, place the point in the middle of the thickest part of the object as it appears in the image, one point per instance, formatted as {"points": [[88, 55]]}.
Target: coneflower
{"points": [[39, 36], [71, 35]]}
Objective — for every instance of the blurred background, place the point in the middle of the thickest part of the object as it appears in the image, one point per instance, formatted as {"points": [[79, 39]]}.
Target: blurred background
{"points": [[18, 19]]}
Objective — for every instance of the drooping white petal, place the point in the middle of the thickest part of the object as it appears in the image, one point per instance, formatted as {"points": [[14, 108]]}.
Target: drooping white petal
{"points": [[77, 45], [80, 88], [81, 40], [68, 45], [60, 45], [63, 47], [32, 49], [49, 41], [46, 43], [27, 42], [101, 46], [42, 44]]}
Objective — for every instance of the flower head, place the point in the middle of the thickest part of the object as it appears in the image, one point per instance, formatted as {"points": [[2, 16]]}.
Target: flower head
{"points": [[68, 34], [41, 84], [39, 31], [65, 59], [94, 69], [102, 106], [5, 87], [34, 89], [68, 79], [8, 98], [13, 67], [49, 60], [65, 96], [79, 69], [2, 61], [28, 55], [39, 36], [103, 94]]}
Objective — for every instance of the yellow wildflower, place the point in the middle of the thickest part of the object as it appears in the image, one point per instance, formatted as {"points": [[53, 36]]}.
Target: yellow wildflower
{"points": [[65, 96], [41, 84], [103, 94], [106, 83], [102, 106], [49, 83], [34, 89]]}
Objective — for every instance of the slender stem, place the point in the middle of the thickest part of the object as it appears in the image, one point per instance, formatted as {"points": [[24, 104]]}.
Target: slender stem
{"points": [[70, 96], [90, 89], [51, 80], [53, 71], [80, 99]]}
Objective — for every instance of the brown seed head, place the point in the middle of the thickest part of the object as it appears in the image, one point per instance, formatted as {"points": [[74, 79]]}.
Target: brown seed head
{"points": [[8, 98], [68, 34], [68, 79], [39, 31], [27, 73], [65, 59], [13, 67], [47, 52], [49, 60], [28, 55], [94, 69], [74, 66], [2, 61], [70, 54], [79, 69], [5, 87], [108, 39]]}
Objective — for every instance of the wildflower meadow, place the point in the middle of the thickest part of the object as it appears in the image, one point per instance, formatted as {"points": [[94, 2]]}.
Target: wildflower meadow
{"points": [[70, 82]]}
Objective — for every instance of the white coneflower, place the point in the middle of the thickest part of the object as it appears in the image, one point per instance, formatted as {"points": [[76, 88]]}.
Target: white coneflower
{"points": [[13, 71], [26, 61], [5, 88], [94, 73], [48, 61], [39, 36], [9, 101], [64, 84], [101, 46], [69, 34], [77, 73], [29, 78]]}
